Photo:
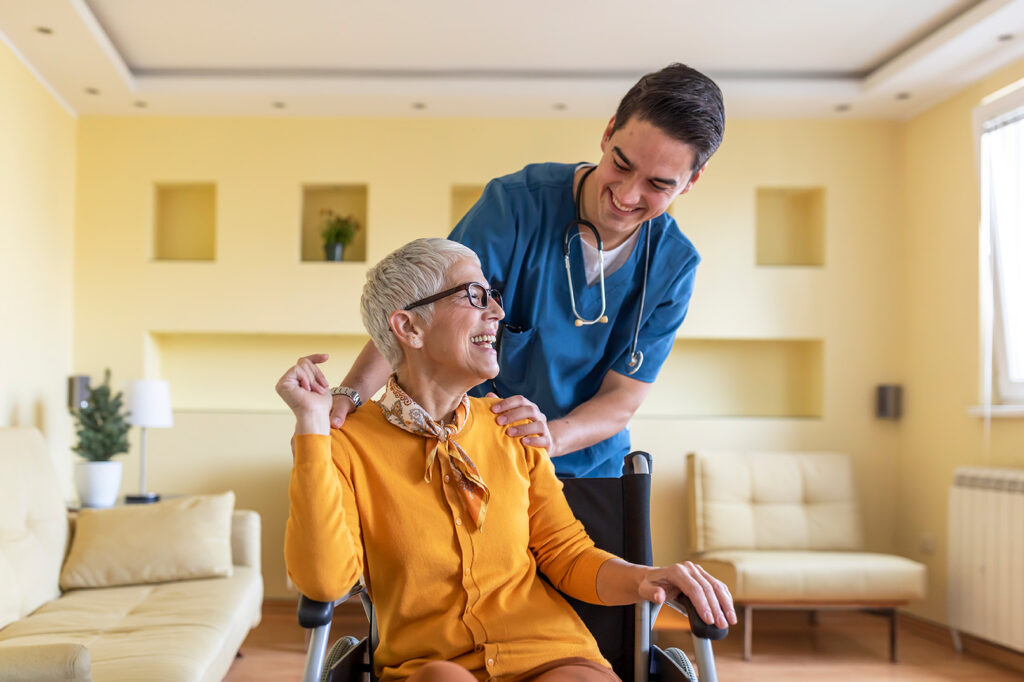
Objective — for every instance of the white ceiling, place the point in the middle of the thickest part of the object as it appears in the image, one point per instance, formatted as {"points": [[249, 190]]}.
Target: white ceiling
{"points": [[863, 58]]}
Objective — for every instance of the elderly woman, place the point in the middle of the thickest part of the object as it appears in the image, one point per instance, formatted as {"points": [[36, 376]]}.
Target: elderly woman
{"points": [[445, 515]]}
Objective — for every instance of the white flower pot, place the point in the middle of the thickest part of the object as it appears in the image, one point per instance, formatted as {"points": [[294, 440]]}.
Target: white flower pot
{"points": [[98, 483]]}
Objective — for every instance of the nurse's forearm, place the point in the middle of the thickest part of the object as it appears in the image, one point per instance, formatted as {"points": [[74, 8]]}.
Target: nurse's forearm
{"points": [[369, 372], [599, 418]]}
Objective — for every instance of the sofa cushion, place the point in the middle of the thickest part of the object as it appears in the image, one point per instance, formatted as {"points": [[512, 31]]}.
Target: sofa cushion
{"points": [[177, 539], [33, 524], [772, 500], [816, 577], [180, 631]]}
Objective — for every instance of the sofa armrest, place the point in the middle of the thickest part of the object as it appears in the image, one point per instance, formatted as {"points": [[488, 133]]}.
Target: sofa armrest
{"points": [[63, 662], [245, 538]]}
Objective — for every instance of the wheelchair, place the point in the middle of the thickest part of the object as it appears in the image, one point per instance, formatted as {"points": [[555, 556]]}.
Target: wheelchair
{"points": [[616, 515]]}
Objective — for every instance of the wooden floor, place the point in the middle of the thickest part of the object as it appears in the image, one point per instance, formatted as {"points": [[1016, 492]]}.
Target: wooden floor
{"points": [[842, 647]]}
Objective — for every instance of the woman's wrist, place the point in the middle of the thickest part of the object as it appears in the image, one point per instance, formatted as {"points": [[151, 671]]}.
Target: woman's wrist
{"points": [[317, 423]]}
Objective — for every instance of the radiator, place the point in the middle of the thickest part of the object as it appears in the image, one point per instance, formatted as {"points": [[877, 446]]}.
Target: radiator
{"points": [[986, 554]]}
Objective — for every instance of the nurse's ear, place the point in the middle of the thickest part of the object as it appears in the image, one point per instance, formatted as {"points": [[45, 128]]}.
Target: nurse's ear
{"points": [[407, 327], [694, 177], [609, 129]]}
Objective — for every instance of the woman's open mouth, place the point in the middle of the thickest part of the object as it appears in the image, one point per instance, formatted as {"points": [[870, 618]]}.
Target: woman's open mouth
{"points": [[484, 340]]}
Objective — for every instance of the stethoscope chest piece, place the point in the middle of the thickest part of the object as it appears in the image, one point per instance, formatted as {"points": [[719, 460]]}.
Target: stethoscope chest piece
{"points": [[636, 359]]}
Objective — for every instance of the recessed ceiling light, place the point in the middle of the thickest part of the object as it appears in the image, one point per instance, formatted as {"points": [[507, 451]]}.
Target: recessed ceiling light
{"points": [[842, 107], [558, 106], [1005, 37], [419, 105], [140, 104], [902, 95], [92, 91], [45, 30], [278, 105]]}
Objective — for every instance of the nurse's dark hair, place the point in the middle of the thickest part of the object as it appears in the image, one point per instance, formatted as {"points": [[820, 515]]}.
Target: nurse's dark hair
{"points": [[681, 101]]}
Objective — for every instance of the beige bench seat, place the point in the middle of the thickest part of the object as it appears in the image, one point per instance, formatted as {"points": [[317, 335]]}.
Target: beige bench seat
{"points": [[819, 577], [782, 530]]}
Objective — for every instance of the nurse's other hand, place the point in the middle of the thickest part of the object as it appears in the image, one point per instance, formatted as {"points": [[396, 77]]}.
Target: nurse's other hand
{"points": [[517, 408]]}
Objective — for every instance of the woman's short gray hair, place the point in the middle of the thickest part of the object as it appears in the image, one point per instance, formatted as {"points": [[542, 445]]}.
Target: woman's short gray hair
{"points": [[410, 273]]}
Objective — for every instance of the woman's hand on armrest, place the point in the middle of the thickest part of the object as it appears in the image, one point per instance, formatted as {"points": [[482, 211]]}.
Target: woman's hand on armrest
{"points": [[620, 582], [305, 390]]}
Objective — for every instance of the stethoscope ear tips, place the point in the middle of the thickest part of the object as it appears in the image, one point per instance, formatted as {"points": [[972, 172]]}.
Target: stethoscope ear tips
{"points": [[603, 319]]}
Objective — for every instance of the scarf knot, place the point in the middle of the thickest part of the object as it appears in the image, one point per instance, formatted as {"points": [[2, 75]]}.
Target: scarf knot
{"points": [[402, 411]]}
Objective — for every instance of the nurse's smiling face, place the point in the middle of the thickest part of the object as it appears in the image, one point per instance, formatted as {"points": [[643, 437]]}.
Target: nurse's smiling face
{"points": [[642, 170]]}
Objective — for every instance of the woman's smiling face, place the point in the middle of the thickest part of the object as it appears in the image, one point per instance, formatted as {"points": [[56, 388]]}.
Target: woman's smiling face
{"points": [[459, 339]]}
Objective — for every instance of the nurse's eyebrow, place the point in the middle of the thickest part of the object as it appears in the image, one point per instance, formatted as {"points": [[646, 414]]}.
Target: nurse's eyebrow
{"points": [[669, 182]]}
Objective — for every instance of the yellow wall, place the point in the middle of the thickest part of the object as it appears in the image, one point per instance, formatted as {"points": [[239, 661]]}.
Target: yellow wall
{"points": [[222, 330], [939, 271], [37, 184]]}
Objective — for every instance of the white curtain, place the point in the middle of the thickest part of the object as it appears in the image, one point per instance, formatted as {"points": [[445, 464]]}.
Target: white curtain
{"points": [[1002, 181]]}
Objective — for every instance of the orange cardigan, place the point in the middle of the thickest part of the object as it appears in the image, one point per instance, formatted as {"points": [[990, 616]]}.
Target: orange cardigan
{"points": [[443, 590]]}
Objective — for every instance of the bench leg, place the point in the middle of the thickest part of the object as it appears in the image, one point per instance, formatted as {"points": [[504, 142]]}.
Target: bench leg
{"points": [[748, 625], [894, 652]]}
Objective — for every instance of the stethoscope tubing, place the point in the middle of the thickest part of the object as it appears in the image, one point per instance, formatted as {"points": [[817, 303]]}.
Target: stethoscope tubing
{"points": [[636, 356]]}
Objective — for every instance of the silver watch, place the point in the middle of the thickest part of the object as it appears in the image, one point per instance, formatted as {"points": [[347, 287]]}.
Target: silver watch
{"points": [[351, 393]]}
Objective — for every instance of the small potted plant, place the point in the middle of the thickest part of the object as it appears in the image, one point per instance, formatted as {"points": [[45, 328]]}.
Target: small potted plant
{"points": [[102, 429], [338, 232]]}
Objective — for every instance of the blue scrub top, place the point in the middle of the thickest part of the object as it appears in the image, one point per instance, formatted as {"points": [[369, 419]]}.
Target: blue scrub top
{"points": [[516, 228]]}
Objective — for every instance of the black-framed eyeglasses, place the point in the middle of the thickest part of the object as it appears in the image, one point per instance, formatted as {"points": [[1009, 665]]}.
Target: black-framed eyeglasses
{"points": [[479, 296]]}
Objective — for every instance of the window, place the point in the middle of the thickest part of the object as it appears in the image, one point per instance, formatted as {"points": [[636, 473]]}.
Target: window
{"points": [[1000, 125]]}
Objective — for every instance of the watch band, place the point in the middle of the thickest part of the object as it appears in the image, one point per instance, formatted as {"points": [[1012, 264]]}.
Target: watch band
{"points": [[351, 393]]}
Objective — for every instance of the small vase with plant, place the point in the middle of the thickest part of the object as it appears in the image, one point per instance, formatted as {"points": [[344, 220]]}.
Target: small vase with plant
{"points": [[338, 232], [102, 429]]}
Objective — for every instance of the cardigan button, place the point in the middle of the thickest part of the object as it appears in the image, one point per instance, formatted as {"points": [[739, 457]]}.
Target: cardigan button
{"points": [[458, 522]]}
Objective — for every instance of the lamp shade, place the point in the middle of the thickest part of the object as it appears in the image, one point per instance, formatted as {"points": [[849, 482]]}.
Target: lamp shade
{"points": [[149, 401]]}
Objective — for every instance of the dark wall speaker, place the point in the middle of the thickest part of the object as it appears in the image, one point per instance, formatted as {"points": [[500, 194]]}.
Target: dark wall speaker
{"points": [[889, 401], [78, 391]]}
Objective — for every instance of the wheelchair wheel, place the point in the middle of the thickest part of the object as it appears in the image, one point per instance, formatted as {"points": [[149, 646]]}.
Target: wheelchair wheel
{"points": [[337, 652], [682, 662]]}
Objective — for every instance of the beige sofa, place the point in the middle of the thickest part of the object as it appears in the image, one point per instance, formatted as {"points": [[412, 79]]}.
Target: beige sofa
{"points": [[783, 531], [156, 628]]}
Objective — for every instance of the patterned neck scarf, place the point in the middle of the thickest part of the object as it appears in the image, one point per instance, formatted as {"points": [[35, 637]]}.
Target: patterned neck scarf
{"points": [[403, 412]]}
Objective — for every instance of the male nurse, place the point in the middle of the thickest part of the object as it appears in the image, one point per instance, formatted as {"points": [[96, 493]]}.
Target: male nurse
{"points": [[579, 350]]}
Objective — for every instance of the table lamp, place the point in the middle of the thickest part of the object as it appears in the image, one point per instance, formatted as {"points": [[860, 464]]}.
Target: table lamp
{"points": [[149, 402]]}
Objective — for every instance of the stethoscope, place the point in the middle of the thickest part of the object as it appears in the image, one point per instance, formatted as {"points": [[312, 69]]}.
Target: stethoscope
{"points": [[636, 356]]}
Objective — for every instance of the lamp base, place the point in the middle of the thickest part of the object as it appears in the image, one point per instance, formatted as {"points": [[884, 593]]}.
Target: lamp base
{"points": [[142, 498]]}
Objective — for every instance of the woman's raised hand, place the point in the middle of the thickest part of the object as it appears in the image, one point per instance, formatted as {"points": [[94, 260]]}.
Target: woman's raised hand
{"points": [[305, 390]]}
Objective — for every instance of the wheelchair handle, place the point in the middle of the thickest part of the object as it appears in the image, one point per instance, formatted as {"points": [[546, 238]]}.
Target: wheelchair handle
{"points": [[698, 627]]}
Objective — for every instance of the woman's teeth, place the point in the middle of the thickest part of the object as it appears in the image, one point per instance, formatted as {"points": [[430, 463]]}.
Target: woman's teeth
{"points": [[484, 339]]}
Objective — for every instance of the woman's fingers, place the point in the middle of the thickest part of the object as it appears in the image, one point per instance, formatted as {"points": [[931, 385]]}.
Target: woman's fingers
{"points": [[310, 375]]}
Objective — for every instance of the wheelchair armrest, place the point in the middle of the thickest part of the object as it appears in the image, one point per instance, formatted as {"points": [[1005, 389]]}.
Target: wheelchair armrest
{"points": [[683, 605], [314, 613]]}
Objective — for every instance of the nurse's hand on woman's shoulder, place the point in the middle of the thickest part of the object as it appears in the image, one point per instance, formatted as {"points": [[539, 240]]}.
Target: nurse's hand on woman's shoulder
{"points": [[534, 432], [341, 408]]}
